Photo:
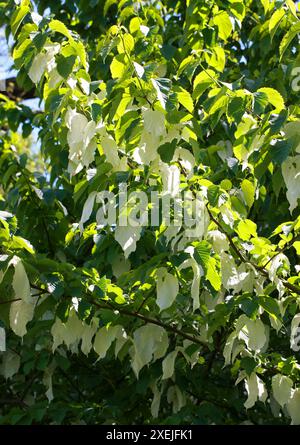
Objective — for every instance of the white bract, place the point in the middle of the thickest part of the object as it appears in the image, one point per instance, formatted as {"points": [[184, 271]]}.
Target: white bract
{"points": [[293, 407], [282, 388], [44, 61], [154, 122], [20, 282], [81, 140], [295, 333], [127, 237], [256, 390], [166, 287], [20, 314], [10, 364], [104, 339], [150, 342], [291, 176], [2, 340], [198, 273], [254, 333], [168, 364]]}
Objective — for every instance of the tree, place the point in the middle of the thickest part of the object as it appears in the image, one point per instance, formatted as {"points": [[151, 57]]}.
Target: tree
{"points": [[151, 320]]}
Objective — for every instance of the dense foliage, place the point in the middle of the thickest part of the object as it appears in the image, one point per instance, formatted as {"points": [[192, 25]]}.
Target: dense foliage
{"points": [[151, 323]]}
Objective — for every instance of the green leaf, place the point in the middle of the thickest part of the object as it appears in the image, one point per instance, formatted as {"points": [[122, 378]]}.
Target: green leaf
{"points": [[108, 4], [246, 229], [166, 151], [80, 51], [162, 87], [60, 27], [213, 193], [185, 99], [266, 5], [65, 65], [270, 305], [249, 305], [126, 44], [118, 66], [248, 190], [202, 81], [20, 243], [281, 150], [202, 253], [236, 108], [260, 102], [275, 21], [19, 15], [292, 7], [223, 22], [288, 37], [248, 364], [212, 274], [274, 97]]}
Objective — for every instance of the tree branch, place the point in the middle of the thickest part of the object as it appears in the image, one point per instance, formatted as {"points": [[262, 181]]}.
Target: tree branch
{"points": [[10, 89], [152, 321]]}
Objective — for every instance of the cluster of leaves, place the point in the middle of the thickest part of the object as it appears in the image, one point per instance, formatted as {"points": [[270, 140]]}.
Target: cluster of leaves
{"points": [[151, 324]]}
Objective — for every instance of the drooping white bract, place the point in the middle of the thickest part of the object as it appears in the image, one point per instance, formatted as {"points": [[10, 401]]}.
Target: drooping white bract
{"points": [[293, 407], [170, 175], [20, 282], [54, 78], [176, 397], [20, 314], [256, 390], [236, 278], [186, 159], [156, 399], [87, 209], [278, 261], [47, 380], [105, 337], [89, 330], [292, 131], [44, 61], [146, 151], [219, 241], [120, 265], [291, 175], [154, 122], [198, 273], [295, 333], [168, 364], [227, 352], [282, 388], [81, 140], [127, 237], [253, 332], [10, 364], [2, 340], [69, 333], [110, 150], [166, 287], [149, 342], [22, 310]]}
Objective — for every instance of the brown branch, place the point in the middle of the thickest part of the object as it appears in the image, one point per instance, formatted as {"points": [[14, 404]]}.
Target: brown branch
{"points": [[10, 301], [261, 269], [152, 321], [283, 249], [14, 92]]}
